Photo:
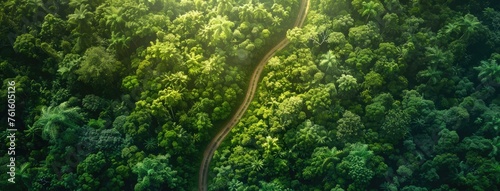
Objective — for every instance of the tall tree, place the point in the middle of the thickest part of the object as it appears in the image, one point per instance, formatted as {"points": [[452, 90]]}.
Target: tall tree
{"points": [[53, 120], [371, 8], [329, 61], [489, 71]]}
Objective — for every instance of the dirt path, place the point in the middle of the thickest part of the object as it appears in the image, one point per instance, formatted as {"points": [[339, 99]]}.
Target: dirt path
{"points": [[252, 87]]}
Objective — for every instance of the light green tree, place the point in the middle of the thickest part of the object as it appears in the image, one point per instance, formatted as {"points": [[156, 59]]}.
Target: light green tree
{"points": [[329, 60], [217, 30], [224, 6], [98, 67], [364, 36], [347, 83]]}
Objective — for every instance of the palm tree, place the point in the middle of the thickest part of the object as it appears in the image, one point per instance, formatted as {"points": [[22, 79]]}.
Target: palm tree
{"points": [[118, 41], [323, 158], [235, 184], [55, 119], [270, 144], [31, 131], [218, 29], [224, 6], [114, 17], [176, 80], [329, 60], [257, 164], [80, 16], [361, 151], [24, 173], [76, 3], [489, 71], [212, 68], [168, 98], [193, 58], [437, 56], [246, 12], [470, 25], [260, 12], [370, 9], [151, 144], [432, 73], [35, 4], [451, 28]]}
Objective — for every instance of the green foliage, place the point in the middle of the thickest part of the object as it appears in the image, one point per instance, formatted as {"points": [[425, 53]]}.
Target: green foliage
{"points": [[323, 160], [154, 173], [289, 109], [54, 120], [416, 106], [373, 80], [156, 79], [364, 36], [310, 134], [470, 25], [98, 67], [396, 125], [350, 128], [218, 30], [362, 59], [89, 169], [68, 65], [446, 141], [356, 167], [26, 44], [489, 71], [371, 8], [329, 61], [456, 117], [51, 27], [432, 74], [347, 83], [93, 103], [106, 140]]}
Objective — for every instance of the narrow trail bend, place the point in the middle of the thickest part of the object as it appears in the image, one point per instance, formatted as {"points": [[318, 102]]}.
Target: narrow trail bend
{"points": [[252, 87]]}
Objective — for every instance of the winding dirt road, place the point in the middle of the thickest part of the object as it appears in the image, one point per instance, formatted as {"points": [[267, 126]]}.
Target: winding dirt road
{"points": [[252, 87]]}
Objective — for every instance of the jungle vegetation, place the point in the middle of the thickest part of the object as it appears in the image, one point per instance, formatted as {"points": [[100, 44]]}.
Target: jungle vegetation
{"points": [[369, 95]]}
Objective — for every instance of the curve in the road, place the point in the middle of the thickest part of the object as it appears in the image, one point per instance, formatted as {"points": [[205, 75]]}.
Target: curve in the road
{"points": [[252, 87]]}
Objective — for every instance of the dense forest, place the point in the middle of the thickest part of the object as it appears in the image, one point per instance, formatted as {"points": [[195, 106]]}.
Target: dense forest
{"points": [[369, 94]]}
